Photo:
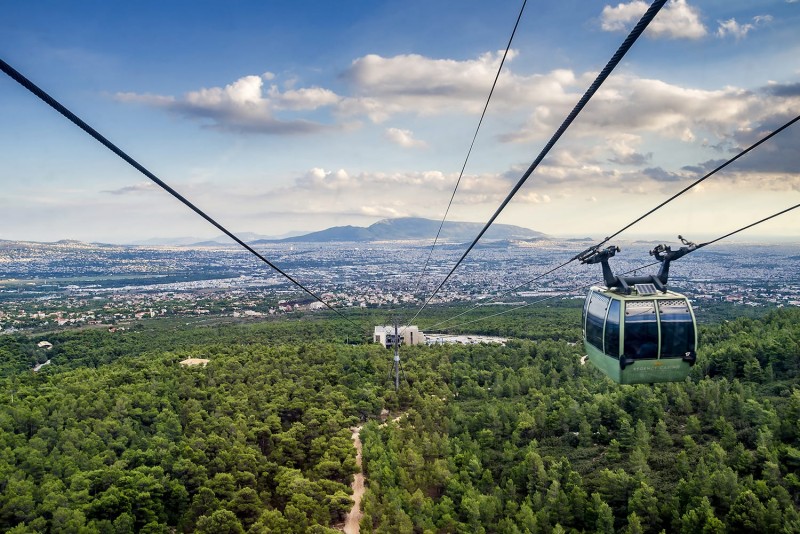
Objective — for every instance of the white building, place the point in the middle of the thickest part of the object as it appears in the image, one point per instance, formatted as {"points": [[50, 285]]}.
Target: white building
{"points": [[447, 339], [409, 335]]}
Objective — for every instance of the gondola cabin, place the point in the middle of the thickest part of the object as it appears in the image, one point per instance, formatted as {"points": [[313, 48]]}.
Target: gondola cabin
{"points": [[644, 337], [635, 330]]}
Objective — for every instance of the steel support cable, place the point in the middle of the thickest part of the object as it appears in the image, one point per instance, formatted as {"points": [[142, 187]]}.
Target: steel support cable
{"points": [[469, 151], [542, 300], [626, 45], [52, 102], [479, 304], [702, 179], [743, 228], [729, 234], [471, 145], [653, 210]]}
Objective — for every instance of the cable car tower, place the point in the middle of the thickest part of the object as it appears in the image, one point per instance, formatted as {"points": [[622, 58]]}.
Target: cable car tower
{"points": [[634, 329], [396, 369]]}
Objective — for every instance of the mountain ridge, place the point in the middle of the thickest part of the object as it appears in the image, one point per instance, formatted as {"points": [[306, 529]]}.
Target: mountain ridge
{"points": [[411, 228]]}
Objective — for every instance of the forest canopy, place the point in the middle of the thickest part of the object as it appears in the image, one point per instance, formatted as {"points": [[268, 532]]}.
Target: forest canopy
{"points": [[116, 436]]}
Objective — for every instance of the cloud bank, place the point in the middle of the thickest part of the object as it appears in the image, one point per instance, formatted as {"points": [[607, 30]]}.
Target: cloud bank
{"points": [[413, 85]]}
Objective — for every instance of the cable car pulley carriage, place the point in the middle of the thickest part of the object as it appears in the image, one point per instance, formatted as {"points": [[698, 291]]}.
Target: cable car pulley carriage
{"points": [[635, 330]]}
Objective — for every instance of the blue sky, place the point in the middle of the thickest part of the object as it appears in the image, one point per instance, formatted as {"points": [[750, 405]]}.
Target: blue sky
{"points": [[295, 116]]}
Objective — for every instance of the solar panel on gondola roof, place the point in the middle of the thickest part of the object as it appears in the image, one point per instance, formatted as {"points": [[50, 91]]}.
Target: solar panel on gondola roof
{"points": [[645, 289]]}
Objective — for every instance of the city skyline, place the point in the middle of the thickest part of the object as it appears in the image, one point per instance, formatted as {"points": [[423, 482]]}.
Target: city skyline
{"points": [[279, 118]]}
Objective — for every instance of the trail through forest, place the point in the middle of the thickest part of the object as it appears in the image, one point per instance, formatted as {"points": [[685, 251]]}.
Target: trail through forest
{"points": [[353, 520]]}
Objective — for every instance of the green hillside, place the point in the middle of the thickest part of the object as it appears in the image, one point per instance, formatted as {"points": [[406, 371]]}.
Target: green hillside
{"points": [[115, 436]]}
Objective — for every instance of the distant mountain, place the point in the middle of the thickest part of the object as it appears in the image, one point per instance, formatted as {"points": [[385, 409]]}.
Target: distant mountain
{"points": [[412, 228], [167, 241], [215, 241]]}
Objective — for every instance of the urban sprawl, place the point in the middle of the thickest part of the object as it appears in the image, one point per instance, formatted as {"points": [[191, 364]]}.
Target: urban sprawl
{"points": [[64, 284]]}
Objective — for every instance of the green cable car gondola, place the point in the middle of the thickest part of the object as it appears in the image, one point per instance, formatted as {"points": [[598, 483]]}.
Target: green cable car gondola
{"points": [[634, 329]]}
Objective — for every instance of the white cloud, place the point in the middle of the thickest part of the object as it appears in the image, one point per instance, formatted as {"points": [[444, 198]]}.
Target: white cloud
{"points": [[242, 106], [404, 138], [425, 76], [318, 178], [676, 20], [384, 86], [732, 28], [615, 19]]}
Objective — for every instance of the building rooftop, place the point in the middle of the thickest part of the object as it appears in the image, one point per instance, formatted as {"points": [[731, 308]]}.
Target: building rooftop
{"points": [[194, 361]]}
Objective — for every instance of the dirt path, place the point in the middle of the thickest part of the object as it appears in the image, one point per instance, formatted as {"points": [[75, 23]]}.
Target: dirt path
{"points": [[351, 522], [353, 519]]}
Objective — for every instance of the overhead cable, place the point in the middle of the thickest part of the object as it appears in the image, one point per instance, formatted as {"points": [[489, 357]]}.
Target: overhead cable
{"points": [[702, 179], [743, 228], [49, 100], [534, 302], [479, 304], [729, 234], [651, 12], [471, 145], [469, 152], [650, 212]]}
